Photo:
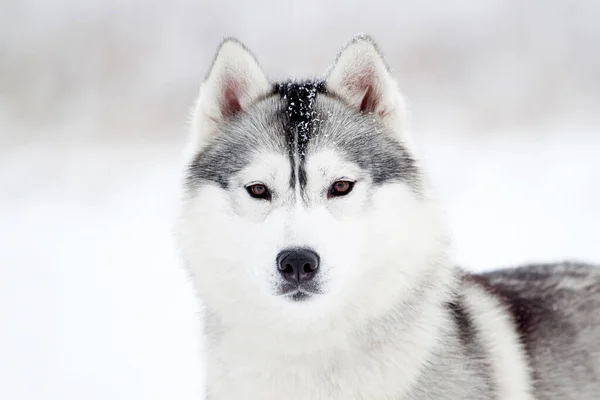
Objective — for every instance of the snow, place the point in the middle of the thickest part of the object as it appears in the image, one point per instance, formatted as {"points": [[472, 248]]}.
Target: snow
{"points": [[93, 103]]}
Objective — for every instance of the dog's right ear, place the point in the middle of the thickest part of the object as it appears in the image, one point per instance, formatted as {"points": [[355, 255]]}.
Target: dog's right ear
{"points": [[234, 82]]}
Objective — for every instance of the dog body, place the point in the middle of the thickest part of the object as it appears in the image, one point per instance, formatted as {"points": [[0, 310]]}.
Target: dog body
{"points": [[321, 257]]}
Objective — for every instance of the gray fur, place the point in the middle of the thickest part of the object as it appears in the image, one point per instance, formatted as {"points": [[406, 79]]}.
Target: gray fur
{"points": [[299, 119], [556, 309]]}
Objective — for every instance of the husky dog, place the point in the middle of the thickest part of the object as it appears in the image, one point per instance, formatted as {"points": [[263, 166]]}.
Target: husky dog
{"points": [[322, 260]]}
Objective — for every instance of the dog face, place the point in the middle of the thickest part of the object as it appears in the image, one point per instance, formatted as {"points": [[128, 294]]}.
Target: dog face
{"points": [[303, 200]]}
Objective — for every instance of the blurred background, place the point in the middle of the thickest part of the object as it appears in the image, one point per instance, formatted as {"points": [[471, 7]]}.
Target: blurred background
{"points": [[94, 102]]}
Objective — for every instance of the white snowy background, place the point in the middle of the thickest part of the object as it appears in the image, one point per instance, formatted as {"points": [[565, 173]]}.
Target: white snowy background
{"points": [[94, 98]]}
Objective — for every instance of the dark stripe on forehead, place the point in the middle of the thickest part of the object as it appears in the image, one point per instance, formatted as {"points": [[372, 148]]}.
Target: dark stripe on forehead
{"points": [[299, 100], [300, 119]]}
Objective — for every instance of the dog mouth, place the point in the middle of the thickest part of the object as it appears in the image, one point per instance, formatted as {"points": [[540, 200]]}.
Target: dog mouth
{"points": [[298, 293], [298, 296]]}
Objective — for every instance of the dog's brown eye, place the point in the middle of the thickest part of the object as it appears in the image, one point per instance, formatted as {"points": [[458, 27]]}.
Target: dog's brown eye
{"points": [[259, 191], [340, 188]]}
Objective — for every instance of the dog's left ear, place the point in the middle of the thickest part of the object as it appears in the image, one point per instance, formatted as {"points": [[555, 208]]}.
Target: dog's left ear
{"points": [[361, 78]]}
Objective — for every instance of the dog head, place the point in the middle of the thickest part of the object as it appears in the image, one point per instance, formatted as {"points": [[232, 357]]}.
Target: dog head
{"points": [[304, 200]]}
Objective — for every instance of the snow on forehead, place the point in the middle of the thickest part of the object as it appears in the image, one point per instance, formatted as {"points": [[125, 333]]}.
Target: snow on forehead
{"points": [[301, 114]]}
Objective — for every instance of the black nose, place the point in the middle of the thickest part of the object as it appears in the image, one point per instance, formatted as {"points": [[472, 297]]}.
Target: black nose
{"points": [[298, 265]]}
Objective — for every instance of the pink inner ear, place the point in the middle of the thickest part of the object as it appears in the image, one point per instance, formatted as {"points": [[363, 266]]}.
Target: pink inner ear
{"points": [[363, 83], [230, 104], [369, 101]]}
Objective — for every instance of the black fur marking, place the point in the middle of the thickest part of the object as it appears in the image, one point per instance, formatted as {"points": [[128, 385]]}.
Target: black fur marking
{"points": [[466, 330], [300, 99], [302, 179], [469, 339], [300, 117], [292, 172]]}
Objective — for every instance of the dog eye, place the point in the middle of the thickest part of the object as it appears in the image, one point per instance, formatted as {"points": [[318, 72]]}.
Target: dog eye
{"points": [[340, 188], [259, 191]]}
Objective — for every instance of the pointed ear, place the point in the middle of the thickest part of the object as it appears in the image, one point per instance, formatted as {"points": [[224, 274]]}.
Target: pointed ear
{"points": [[361, 78], [234, 82]]}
